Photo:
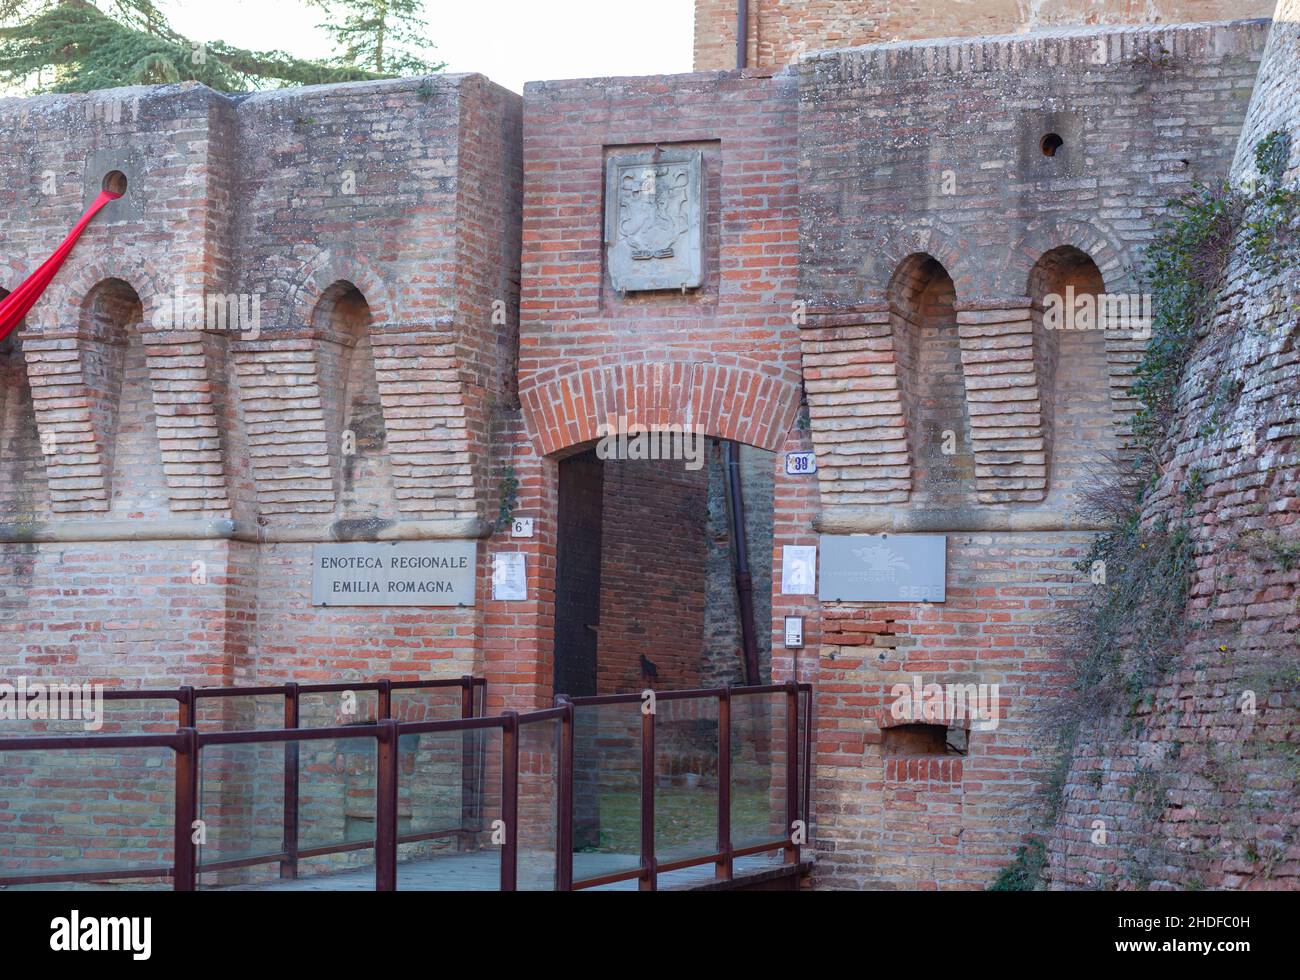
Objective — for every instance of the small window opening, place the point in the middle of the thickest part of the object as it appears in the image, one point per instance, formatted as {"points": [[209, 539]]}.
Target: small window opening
{"points": [[925, 739], [1051, 143]]}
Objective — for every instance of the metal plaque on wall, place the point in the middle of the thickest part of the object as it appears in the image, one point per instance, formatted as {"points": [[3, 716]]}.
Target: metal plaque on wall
{"points": [[654, 220], [398, 573], [884, 567]]}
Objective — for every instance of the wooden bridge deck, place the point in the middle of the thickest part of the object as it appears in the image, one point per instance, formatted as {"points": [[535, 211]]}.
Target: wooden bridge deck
{"points": [[481, 871]]}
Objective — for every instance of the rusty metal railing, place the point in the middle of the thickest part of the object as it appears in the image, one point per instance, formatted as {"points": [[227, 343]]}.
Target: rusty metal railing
{"points": [[187, 744], [186, 741], [797, 753]]}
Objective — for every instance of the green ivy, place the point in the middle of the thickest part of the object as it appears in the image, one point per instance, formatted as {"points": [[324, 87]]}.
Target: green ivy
{"points": [[509, 496], [1184, 267], [1025, 873], [1129, 627]]}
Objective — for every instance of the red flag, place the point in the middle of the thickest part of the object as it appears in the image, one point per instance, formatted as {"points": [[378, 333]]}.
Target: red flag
{"points": [[15, 306]]}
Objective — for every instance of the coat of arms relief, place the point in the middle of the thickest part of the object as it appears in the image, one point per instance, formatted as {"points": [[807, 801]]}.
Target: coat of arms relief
{"points": [[654, 220]]}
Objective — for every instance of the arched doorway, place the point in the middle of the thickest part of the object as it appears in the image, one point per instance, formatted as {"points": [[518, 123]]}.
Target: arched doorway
{"points": [[663, 567]]}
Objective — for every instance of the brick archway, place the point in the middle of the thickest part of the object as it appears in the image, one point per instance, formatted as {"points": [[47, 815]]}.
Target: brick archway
{"points": [[315, 277], [742, 402], [1098, 243], [956, 254]]}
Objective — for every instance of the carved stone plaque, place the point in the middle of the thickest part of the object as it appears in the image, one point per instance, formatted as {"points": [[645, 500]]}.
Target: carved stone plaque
{"points": [[654, 220]]}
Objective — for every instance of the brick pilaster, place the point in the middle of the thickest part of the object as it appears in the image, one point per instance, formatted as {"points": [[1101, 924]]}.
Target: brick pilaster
{"points": [[280, 390], [856, 407], [1004, 399], [187, 407], [423, 399]]}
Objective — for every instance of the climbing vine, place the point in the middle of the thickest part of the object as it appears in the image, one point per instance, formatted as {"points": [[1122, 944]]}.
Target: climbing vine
{"points": [[509, 497], [1125, 633]]}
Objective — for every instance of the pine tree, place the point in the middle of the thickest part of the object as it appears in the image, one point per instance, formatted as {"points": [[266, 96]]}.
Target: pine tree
{"points": [[77, 46], [385, 36]]}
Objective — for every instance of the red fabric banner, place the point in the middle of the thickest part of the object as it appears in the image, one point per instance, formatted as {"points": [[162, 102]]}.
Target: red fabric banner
{"points": [[15, 306]]}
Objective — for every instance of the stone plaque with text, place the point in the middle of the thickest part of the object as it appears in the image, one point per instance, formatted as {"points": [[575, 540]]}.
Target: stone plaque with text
{"points": [[654, 220], [398, 573], [883, 567]]}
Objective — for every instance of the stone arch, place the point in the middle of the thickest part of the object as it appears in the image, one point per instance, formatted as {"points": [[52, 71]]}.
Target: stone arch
{"points": [[321, 273], [929, 237], [1098, 242], [1073, 355], [931, 373], [742, 402]]}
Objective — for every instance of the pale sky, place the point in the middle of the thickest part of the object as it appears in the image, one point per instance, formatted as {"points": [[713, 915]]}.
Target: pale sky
{"points": [[510, 41]]}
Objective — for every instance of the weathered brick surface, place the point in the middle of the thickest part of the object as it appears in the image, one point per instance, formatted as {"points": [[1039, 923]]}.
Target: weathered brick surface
{"points": [[780, 31], [881, 230], [1195, 784], [375, 225]]}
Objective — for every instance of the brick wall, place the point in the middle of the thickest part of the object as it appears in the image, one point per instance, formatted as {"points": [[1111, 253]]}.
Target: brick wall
{"points": [[652, 596], [1193, 785], [881, 231], [780, 31], [933, 228], [720, 357], [376, 227]]}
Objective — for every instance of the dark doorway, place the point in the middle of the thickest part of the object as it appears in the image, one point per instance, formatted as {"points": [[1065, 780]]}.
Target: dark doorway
{"points": [[577, 573]]}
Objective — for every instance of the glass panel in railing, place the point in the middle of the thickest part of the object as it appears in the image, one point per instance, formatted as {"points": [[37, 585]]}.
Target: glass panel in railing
{"points": [[46, 708], [325, 709], [239, 713], [436, 788], [686, 779], [242, 806], [606, 789], [539, 798], [426, 704], [77, 812], [450, 782], [241, 809], [758, 776]]}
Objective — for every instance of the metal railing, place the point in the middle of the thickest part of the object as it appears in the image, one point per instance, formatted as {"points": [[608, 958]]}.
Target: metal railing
{"points": [[797, 761], [187, 744], [187, 741]]}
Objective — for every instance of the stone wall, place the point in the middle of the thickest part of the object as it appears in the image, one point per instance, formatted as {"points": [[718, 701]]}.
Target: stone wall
{"points": [[933, 229], [781, 31], [1194, 784]]}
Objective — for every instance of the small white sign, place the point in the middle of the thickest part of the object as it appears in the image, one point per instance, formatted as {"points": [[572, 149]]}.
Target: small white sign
{"points": [[794, 632], [521, 527], [800, 464], [798, 569], [509, 577]]}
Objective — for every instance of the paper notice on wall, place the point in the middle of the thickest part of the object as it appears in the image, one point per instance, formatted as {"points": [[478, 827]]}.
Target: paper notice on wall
{"points": [[509, 577], [798, 570]]}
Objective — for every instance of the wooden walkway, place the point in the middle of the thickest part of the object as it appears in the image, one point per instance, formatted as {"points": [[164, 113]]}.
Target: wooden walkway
{"points": [[481, 871]]}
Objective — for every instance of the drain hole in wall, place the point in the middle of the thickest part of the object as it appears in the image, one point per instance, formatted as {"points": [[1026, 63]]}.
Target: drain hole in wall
{"points": [[114, 182], [1051, 143]]}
